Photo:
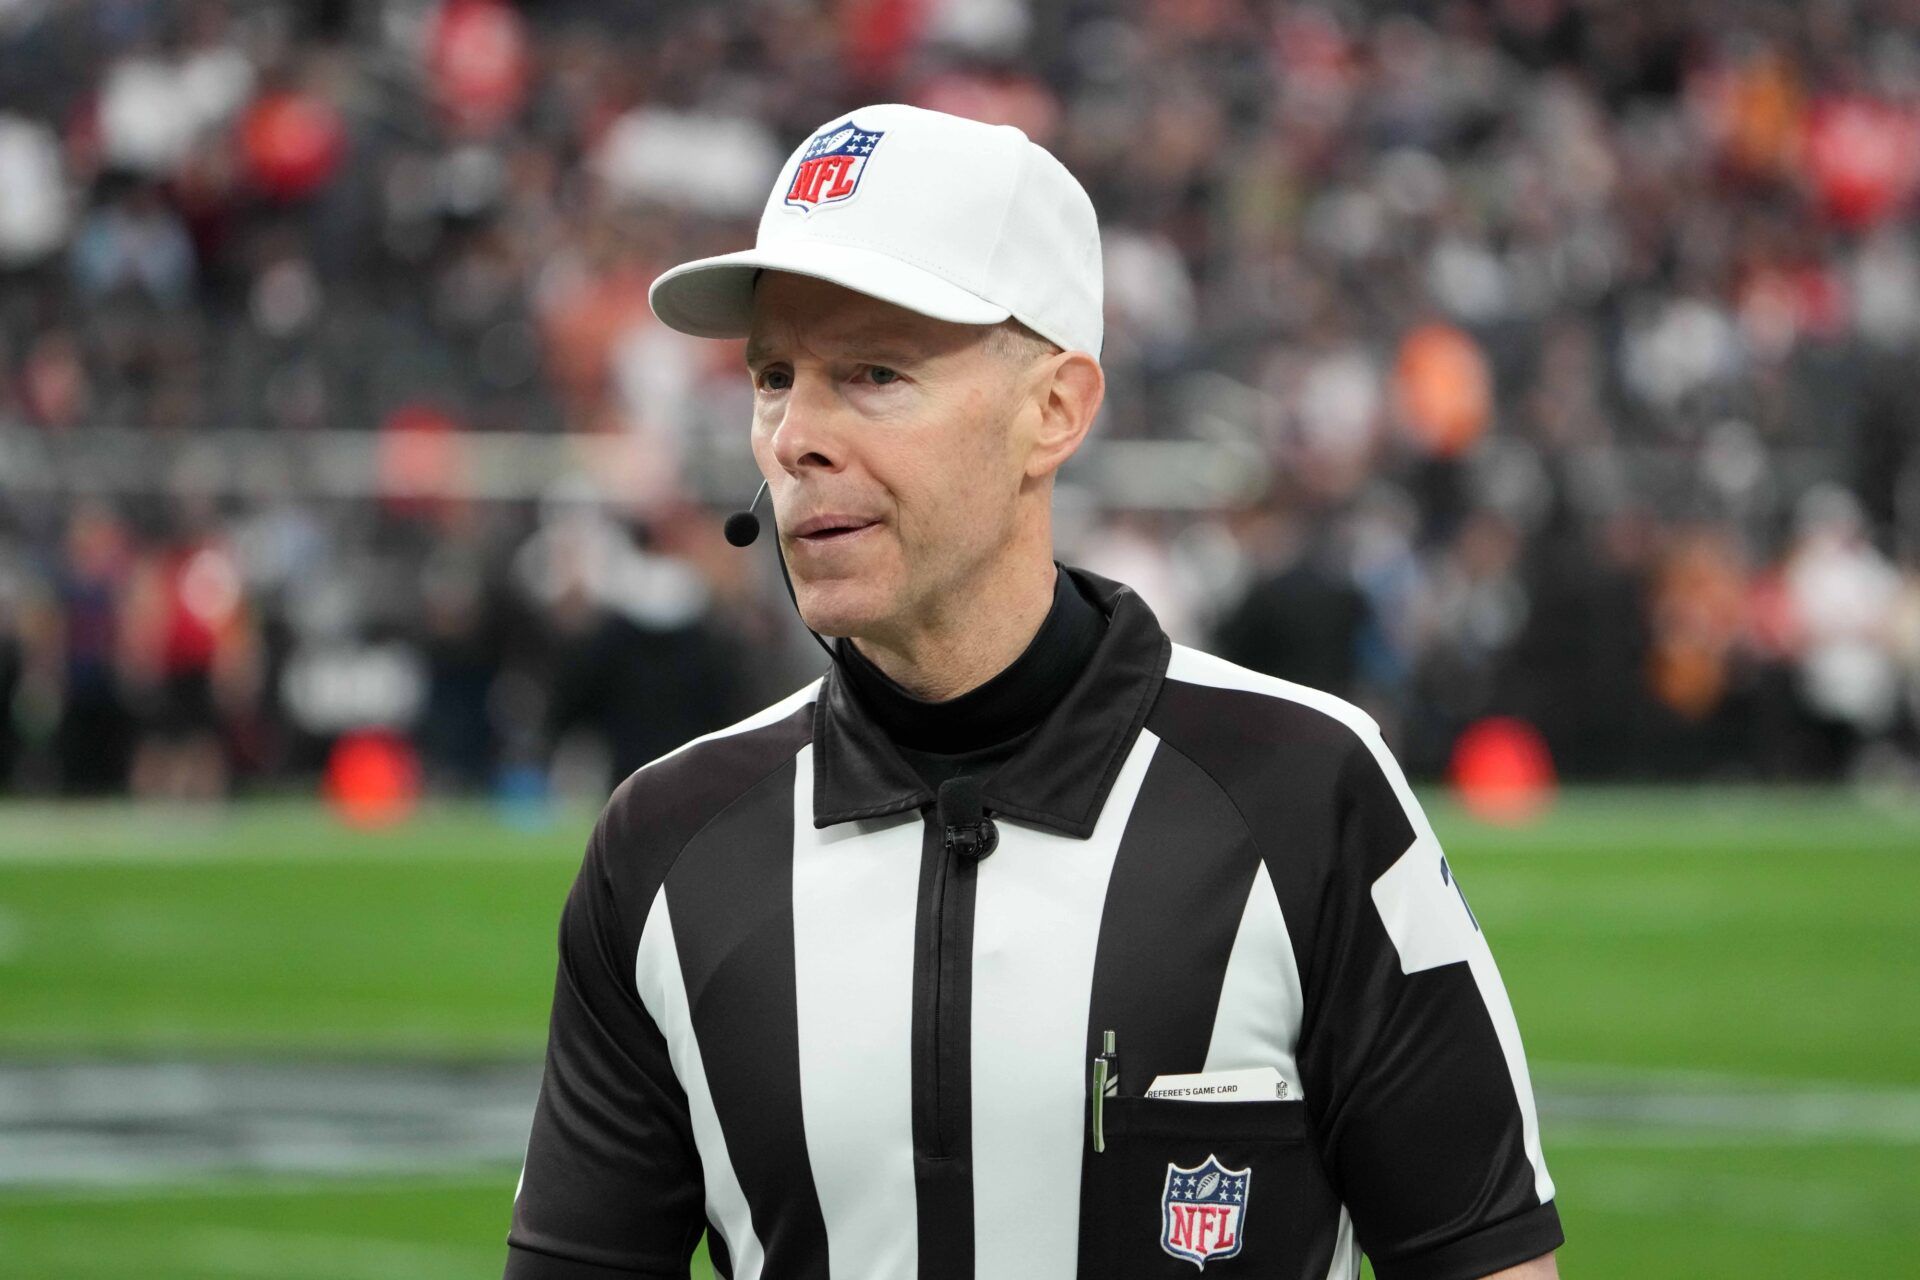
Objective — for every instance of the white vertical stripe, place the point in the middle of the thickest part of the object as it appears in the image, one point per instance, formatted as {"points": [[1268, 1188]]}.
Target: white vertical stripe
{"points": [[663, 991], [1346, 1254], [1195, 667], [855, 890], [1258, 1022], [1036, 927]]}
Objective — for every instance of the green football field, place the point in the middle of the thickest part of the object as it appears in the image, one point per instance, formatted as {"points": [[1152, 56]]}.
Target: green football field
{"points": [[1719, 991]]}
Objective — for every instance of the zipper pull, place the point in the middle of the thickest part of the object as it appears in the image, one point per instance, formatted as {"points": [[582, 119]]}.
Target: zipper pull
{"points": [[1106, 1084]]}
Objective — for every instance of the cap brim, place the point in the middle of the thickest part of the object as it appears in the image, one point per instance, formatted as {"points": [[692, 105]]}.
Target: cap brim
{"points": [[713, 297]]}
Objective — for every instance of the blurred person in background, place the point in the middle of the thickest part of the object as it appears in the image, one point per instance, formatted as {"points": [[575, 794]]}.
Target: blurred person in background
{"points": [[1588, 581], [86, 633], [1845, 596], [1303, 618], [461, 647], [1697, 664], [15, 651], [189, 649], [636, 658], [132, 245]]}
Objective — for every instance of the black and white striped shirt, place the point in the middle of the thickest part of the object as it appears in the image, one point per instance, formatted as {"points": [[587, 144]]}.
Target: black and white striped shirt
{"points": [[790, 1016]]}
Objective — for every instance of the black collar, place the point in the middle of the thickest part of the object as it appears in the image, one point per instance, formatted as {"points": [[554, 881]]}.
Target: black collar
{"points": [[1002, 708], [1060, 776]]}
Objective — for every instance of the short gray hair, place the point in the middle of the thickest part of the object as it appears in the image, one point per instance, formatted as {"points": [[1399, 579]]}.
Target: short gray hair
{"points": [[1018, 345]]}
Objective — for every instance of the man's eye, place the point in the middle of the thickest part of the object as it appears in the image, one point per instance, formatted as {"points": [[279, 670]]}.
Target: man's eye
{"points": [[882, 375], [774, 380]]}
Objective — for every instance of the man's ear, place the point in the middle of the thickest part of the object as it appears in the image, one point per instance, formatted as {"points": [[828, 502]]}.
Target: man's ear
{"points": [[1070, 387]]}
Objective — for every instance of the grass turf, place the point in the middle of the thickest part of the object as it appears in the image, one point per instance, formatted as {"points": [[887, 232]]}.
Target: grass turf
{"points": [[1752, 935]]}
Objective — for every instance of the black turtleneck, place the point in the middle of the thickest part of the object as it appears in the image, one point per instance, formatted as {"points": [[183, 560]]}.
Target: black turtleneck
{"points": [[980, 730]]}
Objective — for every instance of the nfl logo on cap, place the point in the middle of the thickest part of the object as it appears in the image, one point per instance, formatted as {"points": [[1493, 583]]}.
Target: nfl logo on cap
{"points": [[1203, 1211], [830, 171]]}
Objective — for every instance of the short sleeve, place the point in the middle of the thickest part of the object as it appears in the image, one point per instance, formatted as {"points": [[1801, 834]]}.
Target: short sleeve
{"points": [[612, 1182], [1409, 1052]]}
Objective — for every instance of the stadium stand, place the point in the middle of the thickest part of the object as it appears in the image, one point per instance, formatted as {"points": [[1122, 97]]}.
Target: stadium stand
{"points": [[1570, 344]]}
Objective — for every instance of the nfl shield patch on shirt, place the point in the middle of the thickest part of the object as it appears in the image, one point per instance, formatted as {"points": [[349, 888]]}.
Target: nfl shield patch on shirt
{"points": [[830, 170], [1203, 1211]]}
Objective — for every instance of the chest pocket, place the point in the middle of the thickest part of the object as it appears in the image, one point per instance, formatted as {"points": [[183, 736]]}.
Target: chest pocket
{"points": [[1232, 1188]]}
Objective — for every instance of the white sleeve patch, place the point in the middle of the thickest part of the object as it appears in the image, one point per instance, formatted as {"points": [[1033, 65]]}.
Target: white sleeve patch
{"points": [[1423, 910]]}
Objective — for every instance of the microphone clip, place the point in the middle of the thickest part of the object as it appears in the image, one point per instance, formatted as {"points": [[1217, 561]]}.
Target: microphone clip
{"points": [[968, 831]]}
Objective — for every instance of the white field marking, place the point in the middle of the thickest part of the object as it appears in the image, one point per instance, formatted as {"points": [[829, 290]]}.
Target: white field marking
{"points": [[75, 1133], [1563, 1136], [93, 1123], [1812, 1204], [1618, 1106], [394, 1180], [69, 1163], [112, 833], [1620, 1076], [1687, 1119]]}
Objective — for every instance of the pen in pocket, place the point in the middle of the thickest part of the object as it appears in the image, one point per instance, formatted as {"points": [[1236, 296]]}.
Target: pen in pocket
{"points": [[1106, 1084]]}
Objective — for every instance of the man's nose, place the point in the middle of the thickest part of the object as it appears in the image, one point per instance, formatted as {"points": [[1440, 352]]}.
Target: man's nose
{"points": [[807, 436]]}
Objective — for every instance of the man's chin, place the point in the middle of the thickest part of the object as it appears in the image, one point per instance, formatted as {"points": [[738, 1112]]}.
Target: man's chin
{"points": [[837, 609]]}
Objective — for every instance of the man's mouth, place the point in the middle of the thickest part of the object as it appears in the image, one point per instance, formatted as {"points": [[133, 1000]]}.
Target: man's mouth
{"points": [[822, 530]]}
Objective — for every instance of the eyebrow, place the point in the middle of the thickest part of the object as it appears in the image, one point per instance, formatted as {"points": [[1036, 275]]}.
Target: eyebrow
{"points": [[875, 340]]}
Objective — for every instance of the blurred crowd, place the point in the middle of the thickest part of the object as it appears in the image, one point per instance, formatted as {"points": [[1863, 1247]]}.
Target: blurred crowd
{"points": [[1574, 339]]}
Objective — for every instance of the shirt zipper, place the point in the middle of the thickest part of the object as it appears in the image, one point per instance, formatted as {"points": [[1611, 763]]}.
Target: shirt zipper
{"points": [[942, 875], [951, 929]]}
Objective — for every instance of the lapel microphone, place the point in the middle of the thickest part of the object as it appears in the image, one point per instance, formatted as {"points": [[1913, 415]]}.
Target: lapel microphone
{"points": [[742, 529], [960, 809]]}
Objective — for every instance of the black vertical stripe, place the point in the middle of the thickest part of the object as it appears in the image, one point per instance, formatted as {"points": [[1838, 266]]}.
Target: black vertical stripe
{"points": [[942, 1059], [1174, 901], [731, 898], [1280, 761], [1416, 1071]]}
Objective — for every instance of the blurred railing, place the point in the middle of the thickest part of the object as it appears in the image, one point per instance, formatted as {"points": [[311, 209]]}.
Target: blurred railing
{"points": [[1168, 475]]}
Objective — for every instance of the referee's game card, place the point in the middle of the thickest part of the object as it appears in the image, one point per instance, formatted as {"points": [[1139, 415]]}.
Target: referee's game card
{"points": [[1252, 1084]]}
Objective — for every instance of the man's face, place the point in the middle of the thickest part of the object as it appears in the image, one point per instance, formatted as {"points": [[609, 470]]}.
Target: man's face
{"points": [[895, 448]]}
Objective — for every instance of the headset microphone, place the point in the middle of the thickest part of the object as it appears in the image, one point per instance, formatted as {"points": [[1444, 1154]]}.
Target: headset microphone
{"points": [[742, 530], [743, 527]]}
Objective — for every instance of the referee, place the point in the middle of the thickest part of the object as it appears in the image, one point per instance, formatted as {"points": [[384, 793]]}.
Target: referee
{"points": [[1023, 943]]}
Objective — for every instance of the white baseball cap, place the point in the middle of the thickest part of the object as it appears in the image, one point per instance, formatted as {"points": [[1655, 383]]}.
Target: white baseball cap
{"points": [[939, 214]]}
